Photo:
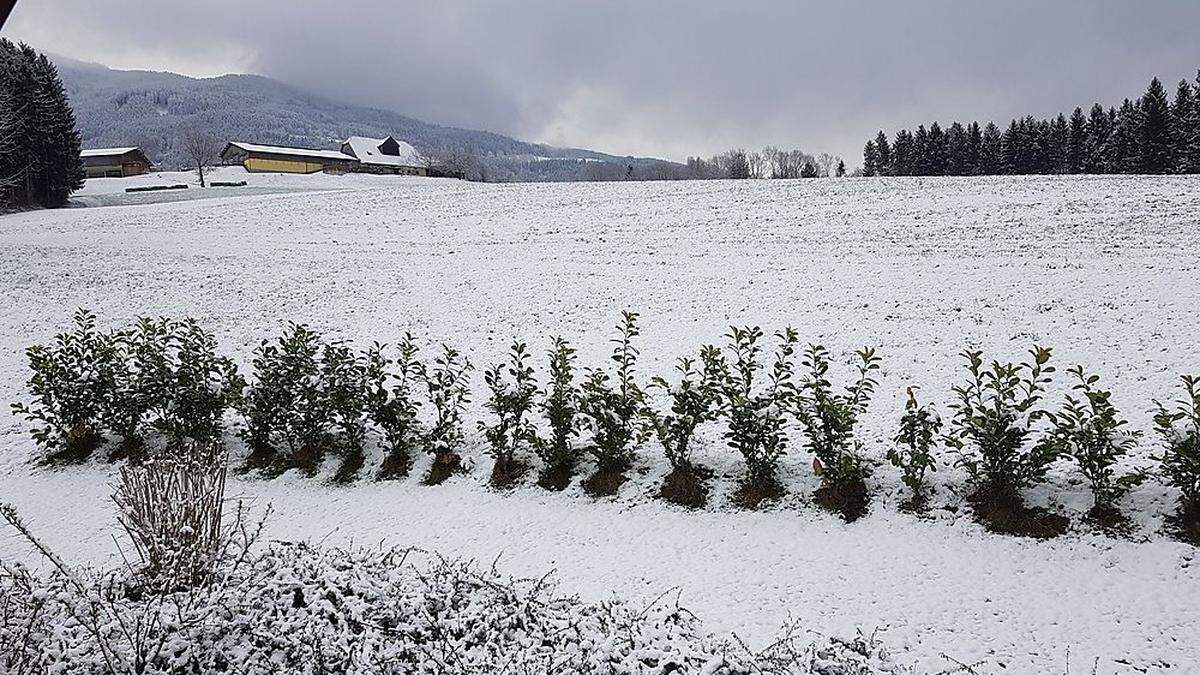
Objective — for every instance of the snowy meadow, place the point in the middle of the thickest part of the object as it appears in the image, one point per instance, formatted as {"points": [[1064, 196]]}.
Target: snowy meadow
{"points": [[1103, 270]]}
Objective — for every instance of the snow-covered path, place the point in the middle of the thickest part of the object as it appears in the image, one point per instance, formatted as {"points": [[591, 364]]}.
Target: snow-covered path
{"points": [[1107, 270]]}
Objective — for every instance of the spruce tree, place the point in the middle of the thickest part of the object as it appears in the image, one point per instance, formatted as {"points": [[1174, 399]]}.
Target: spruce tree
{"points": [[1077, 142], [936, 151], [902, 154], [62, 168], [956, 150], [1099, 129], [1058, 145], [991, 151], [974, 147], [1154, 131], [870, 159], [1122, 154], [920, 152], [1193, 145], [1013, 154], [1183, 113], [883, 154]]}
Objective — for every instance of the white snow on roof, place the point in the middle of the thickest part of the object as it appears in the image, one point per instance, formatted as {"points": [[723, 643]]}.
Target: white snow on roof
{"points": [[367, 151], [105, 152], [298, 152]]}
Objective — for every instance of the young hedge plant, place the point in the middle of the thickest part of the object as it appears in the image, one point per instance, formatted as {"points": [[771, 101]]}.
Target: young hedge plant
{"points": [[560, 407], [72, 386], [1089, 429], [1179, 428], [829, 418], [993, 427], [393, 405], [756, 416], [512, 388], [287, 411], [913, 447], [692, 403], [611, 406], [447, 382]]}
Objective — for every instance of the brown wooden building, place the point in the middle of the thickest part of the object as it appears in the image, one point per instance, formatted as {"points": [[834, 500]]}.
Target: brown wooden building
{"points": [[114, 162]]}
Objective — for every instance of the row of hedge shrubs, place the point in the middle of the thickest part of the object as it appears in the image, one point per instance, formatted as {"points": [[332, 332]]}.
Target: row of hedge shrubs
{"points": [[310, 397]]}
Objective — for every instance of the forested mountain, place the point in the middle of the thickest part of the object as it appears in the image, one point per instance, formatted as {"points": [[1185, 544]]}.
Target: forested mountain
{"points": [[116, 108]]}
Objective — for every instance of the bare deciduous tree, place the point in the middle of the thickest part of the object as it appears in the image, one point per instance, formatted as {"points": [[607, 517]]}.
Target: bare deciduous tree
{"points": [[202, 150]]}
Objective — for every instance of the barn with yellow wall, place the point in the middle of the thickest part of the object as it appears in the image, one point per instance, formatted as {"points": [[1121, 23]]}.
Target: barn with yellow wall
{"points": [[257, 158]]}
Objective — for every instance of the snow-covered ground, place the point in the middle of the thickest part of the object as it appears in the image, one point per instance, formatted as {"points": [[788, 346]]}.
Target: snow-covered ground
{"points": [[1105, 270]]}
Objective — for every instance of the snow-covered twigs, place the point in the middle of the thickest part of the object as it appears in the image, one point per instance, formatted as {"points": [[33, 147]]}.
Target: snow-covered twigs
{"points": [[301, 609]]}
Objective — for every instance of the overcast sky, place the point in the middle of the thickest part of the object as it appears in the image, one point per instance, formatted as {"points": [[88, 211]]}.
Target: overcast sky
{"points": [[656, 77]]}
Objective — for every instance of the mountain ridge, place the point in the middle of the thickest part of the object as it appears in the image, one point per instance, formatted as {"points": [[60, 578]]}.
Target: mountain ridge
{"points": [[151, 109]]}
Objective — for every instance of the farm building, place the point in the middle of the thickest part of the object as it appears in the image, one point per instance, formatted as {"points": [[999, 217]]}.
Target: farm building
{"points": [[114, 162], [278, 159], [384, 155]]}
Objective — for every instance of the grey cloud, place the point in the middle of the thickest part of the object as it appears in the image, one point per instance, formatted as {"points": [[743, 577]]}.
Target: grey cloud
{"points": [[670, 77]]}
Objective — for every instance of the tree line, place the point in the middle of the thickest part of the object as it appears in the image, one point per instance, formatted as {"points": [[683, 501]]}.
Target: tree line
{"points": [[39, 145], [770, 162], [1152, 135]]}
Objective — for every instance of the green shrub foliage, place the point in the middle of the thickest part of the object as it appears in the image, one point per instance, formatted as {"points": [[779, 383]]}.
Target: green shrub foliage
{"points": [[142, 380], [1179, 428], [513, 387], [994, 421], [448, 384], [915, 441], [392, 401], [611, 405], [72, 386], [829, 418], [1089, 429], [201, 386], [345, 393], [691, 404], [756, 416], [560, 407], [288, 414]]}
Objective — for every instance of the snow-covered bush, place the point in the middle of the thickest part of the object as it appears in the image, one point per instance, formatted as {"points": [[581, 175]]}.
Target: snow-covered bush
{"points": [[559, 406], [512, 388], [393, 405], [1179, 428], [72, 387], [297, 609], [141, 382], [448, 384], [914, 443], [756, 416], [829, 420], [611, 406], [691, 404], [1089, 429], [200, 386]]}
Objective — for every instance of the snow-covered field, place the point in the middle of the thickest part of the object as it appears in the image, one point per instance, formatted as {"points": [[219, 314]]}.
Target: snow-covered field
{"points": [[1104, 270]]}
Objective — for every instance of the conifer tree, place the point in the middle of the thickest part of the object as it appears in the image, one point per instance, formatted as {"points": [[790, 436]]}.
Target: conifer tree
{"points": [[991, 151], [1058, 145], [902, 154], [1183, 113], [1154, 131], [956, 150], [1099, 131], [974, 146], [870, 159], [883, 151], [1122, 154], [1077, 142], [936, 151]]}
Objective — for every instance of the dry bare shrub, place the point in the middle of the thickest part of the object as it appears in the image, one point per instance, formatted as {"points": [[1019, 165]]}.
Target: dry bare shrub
{"points": [[171, 509]]}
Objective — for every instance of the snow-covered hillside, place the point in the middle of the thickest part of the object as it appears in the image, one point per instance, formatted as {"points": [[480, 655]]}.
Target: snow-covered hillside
{"points": [[1104, 270]]}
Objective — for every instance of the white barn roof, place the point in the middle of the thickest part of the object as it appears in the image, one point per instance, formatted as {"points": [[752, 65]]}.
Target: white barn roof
{"points": [[367, 151], [105, 152], [297, 152]]}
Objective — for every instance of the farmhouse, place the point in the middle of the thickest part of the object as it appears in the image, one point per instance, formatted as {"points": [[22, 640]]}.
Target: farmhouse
{"points": [[384, 155], [114, 162], [279, 159]]}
